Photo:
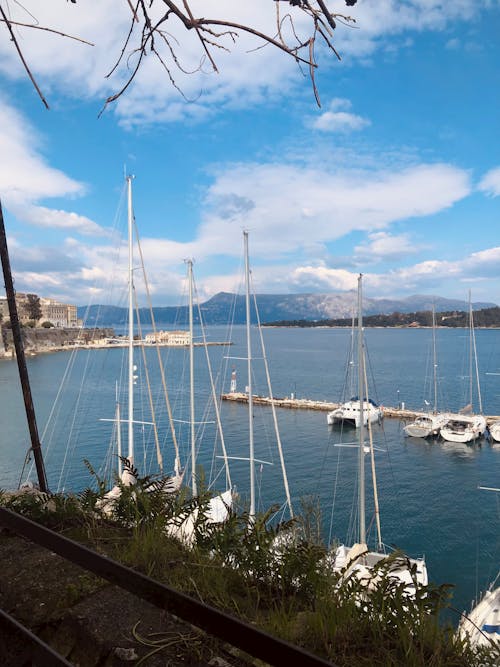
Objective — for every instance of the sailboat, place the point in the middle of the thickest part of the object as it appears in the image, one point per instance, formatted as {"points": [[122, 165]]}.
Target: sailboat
{"points": [[429, 424], [482, 624], [352, 411], [125, 464], [358, 559], [465, 426], [183, 527]]}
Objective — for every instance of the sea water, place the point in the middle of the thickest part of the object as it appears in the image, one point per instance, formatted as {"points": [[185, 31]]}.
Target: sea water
{"points": [[430, 502]]}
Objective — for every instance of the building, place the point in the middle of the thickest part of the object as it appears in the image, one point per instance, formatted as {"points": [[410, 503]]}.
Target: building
{"points": [[58, 314], [169, 337]]}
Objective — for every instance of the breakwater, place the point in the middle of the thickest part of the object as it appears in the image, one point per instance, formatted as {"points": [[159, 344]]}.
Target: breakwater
{"points": [[293, 403]]}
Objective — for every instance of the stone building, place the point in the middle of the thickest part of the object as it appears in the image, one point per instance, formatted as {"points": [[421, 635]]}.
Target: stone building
{"points": [[168, 337]]}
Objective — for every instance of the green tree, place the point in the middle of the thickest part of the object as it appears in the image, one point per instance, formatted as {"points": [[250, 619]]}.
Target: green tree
{"points": [[33, 308]]}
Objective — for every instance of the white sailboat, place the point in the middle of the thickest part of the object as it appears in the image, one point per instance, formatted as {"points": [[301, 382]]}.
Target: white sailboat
{"points": [[494, 429], [218, 508], [352, 411], [465, 426], [125, 472], [482, 624], [429, 424], [358, 559]]}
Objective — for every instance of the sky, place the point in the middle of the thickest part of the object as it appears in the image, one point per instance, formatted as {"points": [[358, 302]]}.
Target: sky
{"points": [[396, 175]]}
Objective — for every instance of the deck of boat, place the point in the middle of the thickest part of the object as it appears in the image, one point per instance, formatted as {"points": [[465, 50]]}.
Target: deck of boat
{"points": [[325, 406]]}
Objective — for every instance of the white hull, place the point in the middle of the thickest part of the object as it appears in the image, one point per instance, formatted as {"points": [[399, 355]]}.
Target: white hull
{"points": [[464, 428], [495, 431], [482, 625], [426, 426], [349, 413], [359, 561]]}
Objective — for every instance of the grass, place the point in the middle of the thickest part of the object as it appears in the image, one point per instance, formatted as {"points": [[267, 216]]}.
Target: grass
{"points": [[287, 590]]}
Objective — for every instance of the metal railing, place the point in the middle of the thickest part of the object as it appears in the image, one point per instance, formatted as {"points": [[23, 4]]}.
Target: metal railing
{"points": [[255, 642]]}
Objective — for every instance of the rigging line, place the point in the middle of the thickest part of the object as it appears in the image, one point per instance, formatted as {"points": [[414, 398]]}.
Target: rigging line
{"points": [[212, 387], [273, 407], [159, 457], [64, 472], [162, 370], [374, 475]]}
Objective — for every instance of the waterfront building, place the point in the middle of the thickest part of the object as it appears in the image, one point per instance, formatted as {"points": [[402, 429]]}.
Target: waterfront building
{"points": [[169, 337], [57, 313]]}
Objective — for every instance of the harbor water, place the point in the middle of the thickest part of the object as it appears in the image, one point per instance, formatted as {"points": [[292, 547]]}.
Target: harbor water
{"points": [[429, 495]]}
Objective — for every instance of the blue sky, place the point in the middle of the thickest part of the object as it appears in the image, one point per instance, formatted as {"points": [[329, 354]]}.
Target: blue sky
{"points": [[397, 175]]}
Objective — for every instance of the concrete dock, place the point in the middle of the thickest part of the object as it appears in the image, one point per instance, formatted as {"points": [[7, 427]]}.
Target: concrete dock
{"points": [[325, 406]]}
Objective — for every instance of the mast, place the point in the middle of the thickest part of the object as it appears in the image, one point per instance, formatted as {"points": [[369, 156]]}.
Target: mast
{"points": [[191, 380], [130, 454], [470, 351], [434, 358], [361, 452], [474, 350], [21, 359], [249, 381]]}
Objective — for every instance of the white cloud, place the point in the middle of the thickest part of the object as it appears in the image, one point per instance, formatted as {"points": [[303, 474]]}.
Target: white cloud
{"points": [[490, 183], [247, 75], [337, 118], [287, 207], [26, 178], [383, 245]]}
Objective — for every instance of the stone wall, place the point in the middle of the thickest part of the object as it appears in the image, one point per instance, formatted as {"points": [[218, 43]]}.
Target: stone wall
{"points": [[46, 340]]}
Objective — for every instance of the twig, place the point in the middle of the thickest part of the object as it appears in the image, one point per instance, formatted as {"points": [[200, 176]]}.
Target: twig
{"points": [[18, 49], [40, 27]]}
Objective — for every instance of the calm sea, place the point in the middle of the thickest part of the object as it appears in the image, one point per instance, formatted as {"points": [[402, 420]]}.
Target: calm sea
{"points": [[429, 496]]}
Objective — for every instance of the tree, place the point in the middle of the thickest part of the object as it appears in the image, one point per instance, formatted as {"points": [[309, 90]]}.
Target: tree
{"points": [[32, 307], [151, 25]]}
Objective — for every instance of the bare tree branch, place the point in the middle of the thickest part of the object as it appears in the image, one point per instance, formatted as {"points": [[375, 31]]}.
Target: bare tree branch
{"points": [[212, 34], [25, 64]]}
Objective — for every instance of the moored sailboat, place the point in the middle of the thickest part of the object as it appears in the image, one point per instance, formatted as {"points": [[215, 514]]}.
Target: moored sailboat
{"points": [[358, 559], [465, 426], [429, 424], [482, 625]]}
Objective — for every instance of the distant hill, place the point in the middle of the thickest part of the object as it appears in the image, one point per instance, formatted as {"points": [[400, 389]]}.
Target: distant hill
{"points": [[225, 307], [486, 317]]}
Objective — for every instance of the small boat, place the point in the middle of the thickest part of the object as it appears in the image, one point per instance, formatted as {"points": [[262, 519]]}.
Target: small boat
{"points": [[463, 428], [349, 413], [426, 425], [358, 559], [482, 624], [429, 425], [467, 426], [494, 430]]}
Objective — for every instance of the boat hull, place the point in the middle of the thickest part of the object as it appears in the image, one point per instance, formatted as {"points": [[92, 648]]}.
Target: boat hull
{"points": [[464, 428], [482, 625], [349, 414], [361, 563], [426, 426]]}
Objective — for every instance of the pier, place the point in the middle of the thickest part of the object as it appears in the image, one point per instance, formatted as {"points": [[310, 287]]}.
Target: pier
{"points": [[325, 406]]}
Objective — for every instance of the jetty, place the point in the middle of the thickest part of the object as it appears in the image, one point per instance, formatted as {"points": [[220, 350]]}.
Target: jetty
{"points": [[293, 403]]}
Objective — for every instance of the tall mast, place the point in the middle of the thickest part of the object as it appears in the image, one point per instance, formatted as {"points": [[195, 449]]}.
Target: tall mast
{"points": [[434, 358], [130, 323], [21, 359], [361, 452], [249, 381], [470, 351], [191, 379]]}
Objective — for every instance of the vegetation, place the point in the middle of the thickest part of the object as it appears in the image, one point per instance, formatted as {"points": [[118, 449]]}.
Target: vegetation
{"points": [[486, 317], [32, 307], [274, 576], [47, 325]]}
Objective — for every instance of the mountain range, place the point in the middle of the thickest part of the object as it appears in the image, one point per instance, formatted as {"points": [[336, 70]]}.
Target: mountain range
{"points": [[225, 307]]}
